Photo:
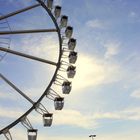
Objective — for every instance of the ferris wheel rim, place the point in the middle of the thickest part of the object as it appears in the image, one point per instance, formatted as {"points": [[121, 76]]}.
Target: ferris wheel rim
{"points": [[11, 125]]}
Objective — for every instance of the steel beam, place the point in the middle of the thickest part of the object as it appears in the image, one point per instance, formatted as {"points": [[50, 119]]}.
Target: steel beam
{"points": [[27, 31], [27, 56], [19, 11], [15, 88]]}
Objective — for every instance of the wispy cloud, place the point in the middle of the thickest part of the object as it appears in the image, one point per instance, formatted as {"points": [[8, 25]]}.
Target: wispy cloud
{"points": [[77, 119], [17, 3], [45, 46], [121, 136], [74, 118], [126, 114], [112, 48], [136, 94], [91, 120], [57, 2], [133, 14], [14, 113], [68, 117], [96, 24], [94, 71], [20, 134]]}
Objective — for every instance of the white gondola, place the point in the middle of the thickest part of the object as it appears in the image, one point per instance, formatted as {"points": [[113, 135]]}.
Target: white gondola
{"points": [[57, 11], [64, 21], [69, 31], [71, 71], [47, 119], [59, 103], [72, 57], [50, 4], [32, 134], [72, 44], [66, 87]]}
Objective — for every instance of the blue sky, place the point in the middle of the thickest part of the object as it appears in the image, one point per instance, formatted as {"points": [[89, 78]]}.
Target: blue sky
{"points": [[106, 89]]}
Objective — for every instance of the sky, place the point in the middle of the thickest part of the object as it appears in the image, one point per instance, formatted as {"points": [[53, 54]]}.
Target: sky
{"points": [[105, 96]]}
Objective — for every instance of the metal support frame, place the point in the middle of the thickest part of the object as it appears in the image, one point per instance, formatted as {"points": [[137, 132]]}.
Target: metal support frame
{"points": [[7, 134], [27, 56], [41, 109], [51, 94], [26, 123], [27, 31], [17, 89], [53, 77], [19, 11], [4, 39]]}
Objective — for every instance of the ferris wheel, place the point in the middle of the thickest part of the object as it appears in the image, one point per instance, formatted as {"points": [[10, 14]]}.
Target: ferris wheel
{"points": [[64, 63]]}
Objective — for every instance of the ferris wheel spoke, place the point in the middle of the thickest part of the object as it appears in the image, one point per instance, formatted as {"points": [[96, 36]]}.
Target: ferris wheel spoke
{"points": [[5, 38], [15, 88], [5, 43], [27, 31], [27, 56], [18, 11]]}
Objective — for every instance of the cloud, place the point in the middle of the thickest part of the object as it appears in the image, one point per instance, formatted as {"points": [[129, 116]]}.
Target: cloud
{"points": [[74, 118], [126, 114], [94, 71], [17, 3], [112, 48], [121, 136], [58, 2], [117, 136], [22, 134], [5, 96], [68, 117], [96, 24], [44, 46], [5, 93], [12, 113], [136, 94], [133, 14]]}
